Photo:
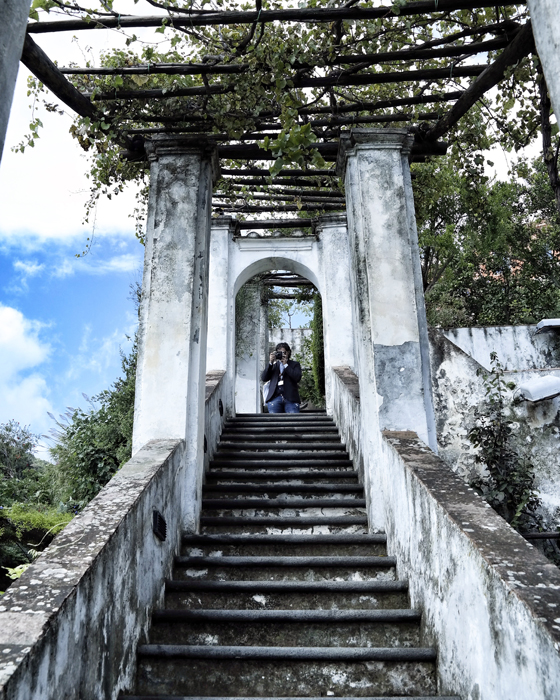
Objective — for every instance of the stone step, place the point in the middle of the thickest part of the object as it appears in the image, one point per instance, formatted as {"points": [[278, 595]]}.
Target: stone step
{"points": [[283, 595], [280, 429], [274, 438], [306, 628], [311, 671], [273, 463], [274, 545], [311, 501], [284, 568], [206, 697], [286, 458], [282, 513], [224, 448], [272, 524], [227, 489], [296, 475], [280, 417]]}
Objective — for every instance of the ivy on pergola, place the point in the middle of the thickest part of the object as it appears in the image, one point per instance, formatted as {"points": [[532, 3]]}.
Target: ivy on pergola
{"points": [[280, 83]]}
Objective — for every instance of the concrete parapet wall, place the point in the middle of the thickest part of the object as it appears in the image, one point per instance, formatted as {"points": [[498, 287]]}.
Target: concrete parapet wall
{"points": [[458, 390], [517, 347], [489, 599], [69, 627], [216, 391]]}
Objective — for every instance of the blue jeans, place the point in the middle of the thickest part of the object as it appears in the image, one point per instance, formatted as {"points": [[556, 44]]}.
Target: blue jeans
{"points": [[279, 405]]}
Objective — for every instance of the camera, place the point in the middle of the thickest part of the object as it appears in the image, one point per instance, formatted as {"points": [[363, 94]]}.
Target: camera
{"points": [[278, 355]]}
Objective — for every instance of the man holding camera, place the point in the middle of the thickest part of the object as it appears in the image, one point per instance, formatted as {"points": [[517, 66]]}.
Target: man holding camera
{"points": [[284, 375]]}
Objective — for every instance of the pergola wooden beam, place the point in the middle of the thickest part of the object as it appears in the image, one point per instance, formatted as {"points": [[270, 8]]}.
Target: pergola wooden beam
{"points": [[370, 59], [237, 186], [339, 80], [275, 224], [36, 60], [204, 18], [521, 46]]}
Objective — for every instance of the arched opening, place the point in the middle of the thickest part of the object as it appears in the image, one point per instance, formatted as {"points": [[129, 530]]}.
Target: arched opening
{"points": [[278, 305]]}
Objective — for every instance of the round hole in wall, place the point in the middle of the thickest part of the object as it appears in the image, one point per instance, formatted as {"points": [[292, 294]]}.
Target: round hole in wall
{"points": [[221, 407]]}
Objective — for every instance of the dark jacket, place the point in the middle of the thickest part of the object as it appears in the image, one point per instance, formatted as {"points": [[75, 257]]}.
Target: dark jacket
{"points": [[292, 375]]}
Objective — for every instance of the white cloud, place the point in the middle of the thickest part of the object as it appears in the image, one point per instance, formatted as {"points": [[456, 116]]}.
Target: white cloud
{"points": [[28, 269], [127, 262], [23, 389]]}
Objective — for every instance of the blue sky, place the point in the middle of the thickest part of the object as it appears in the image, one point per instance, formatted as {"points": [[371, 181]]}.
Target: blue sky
{"points": [[63, 319]]}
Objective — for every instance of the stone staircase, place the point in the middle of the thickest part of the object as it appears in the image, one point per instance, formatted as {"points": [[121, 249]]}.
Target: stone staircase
{"points": [[284, 594]]}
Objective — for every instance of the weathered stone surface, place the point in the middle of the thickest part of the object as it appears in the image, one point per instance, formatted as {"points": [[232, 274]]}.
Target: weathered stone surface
{"points": [[546, 28], [14, 15], [387, 291], [458, 389], [70, 625], [489, 598]]}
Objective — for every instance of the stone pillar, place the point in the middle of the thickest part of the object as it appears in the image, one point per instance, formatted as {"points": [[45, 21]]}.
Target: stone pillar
{"points": [[545, 17], [170, 383], [384, 246], [13, 15], [220, 306], [336, 295], [248, 354]]}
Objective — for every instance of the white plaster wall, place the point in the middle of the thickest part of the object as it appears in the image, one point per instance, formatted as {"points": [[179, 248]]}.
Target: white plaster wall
{"points": [[517, 347], [458, 389]]}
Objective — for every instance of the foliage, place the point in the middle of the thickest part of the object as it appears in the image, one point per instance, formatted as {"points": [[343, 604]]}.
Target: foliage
{"points": [[93, 444], [318, 346], [490, 251], [273, 57], [509, 484]]}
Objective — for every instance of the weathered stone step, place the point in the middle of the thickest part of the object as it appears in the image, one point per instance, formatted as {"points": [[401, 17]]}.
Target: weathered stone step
{"points": [[264, 524], [285, 567], [225, 448], [206, 697], [263, 463], [350, 628], [283, 512], [280, 418], [280, 428], [239, 670], [283, 595], [273, 438], [265, 503], [217, 489], [297, 475], [287, 455], [273, 545]]}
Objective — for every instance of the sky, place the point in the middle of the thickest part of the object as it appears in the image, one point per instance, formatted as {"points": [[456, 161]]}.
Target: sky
{"points": [[63, 319]]}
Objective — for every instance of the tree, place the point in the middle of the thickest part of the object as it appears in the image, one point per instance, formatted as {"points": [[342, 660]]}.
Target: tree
{"points": [[490, 251]]}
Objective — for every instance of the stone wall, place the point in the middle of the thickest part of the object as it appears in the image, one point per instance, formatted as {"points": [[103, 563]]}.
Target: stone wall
{"points": [[458, 389], [70, 625]]}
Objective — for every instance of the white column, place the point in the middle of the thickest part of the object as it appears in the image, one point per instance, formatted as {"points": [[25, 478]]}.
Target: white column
{"points": [[170, 384], [336, 294], [248, 359], [545, 17], [220, 307], [13, 21], [383, 243]]}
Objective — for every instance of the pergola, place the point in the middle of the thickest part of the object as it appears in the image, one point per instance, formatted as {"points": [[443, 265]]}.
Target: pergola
{"points": [[441, 77]]}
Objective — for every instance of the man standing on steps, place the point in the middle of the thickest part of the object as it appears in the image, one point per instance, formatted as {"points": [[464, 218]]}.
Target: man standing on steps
{"points": [[283, 374]]}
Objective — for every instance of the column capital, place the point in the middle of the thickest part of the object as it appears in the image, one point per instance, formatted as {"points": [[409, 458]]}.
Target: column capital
{"points": [[352, 141], [335, 221], [224, 222], [161, 146]]}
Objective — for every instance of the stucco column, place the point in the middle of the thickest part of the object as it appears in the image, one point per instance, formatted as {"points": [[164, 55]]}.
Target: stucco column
{"points": [[13, 16], [336, 295], [545, 17], [170, 383], [384, 246], [220, 307], [248, 358]]}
